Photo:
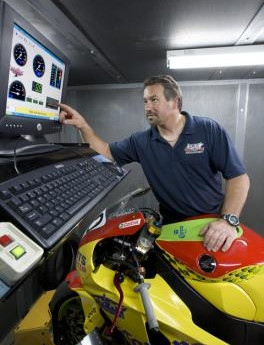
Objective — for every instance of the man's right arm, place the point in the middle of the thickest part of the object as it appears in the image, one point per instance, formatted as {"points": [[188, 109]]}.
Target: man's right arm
{"points": [[70, 116]]}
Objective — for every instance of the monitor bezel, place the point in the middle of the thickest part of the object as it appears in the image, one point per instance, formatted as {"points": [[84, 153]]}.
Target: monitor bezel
{"points": [[17, 125]]}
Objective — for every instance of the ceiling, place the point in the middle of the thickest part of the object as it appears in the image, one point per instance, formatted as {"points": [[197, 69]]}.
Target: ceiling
{"points": [[125, 41]]}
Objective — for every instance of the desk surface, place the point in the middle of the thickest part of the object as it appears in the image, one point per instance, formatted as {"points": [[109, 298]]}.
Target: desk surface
{"points": [[31, 162]]}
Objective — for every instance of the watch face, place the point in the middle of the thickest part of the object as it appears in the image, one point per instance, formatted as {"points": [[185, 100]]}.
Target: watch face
{"points": [[39, 65], [233, 220]]}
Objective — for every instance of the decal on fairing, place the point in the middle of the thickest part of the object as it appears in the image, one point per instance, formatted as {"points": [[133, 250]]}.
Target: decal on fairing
{"points": [[180, 232], [235, 276], [187, 230], [132, 340], [91, 314], [80, 262], [130, 223], [108, 305], [99, 221]]}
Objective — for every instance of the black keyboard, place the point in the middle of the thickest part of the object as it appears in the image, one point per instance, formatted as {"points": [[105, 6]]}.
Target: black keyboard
{"points": [[48, 202]]}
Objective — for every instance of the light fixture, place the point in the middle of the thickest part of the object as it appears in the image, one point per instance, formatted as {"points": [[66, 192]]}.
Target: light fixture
{"points": [[248, 55]]}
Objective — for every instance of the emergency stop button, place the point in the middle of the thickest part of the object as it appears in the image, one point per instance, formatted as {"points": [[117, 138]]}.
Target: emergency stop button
{"points": [[18, 251], [5, 240]]}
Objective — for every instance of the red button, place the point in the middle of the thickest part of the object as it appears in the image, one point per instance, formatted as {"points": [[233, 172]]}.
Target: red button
{"points": [[5, 240]]}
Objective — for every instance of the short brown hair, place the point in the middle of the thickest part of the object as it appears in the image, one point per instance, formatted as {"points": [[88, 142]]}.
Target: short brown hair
{"points": [[171, 87]]}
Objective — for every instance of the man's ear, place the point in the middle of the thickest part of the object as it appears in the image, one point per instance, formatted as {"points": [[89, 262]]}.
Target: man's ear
{"points": [[175, 103]]}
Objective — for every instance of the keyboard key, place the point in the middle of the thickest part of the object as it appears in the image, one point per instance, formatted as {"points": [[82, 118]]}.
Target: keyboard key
{"points": [[5, 194], [43, 220], [48, 230], [57, 222], [25, 208], [16, 189], [32, 215], [15, 202]]}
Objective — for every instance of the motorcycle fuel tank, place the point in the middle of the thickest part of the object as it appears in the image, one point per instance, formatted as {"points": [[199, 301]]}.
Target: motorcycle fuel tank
{"points": [[233, 280]]}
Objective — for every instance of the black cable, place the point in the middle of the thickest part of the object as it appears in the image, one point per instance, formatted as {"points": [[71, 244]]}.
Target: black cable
{"points": [[15, 155]]}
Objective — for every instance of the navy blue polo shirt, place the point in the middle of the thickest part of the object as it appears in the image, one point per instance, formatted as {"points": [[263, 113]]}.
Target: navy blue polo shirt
{"points": [[186, 178]]}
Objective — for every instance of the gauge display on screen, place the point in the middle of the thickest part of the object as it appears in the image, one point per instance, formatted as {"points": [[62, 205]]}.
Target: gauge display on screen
{"points": [[36, 79], [37, 87], [38, 66], [17, 91], [20, 54]]}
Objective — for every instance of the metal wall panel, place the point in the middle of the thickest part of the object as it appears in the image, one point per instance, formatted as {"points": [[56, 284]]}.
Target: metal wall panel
{"points": [[217, 102], [254, 156]]}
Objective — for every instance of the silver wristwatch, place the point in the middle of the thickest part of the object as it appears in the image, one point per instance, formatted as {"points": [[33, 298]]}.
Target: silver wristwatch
{"points": [[232, 219]]}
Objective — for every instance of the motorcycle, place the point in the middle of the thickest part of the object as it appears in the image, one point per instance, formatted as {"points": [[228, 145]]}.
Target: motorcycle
{"points": [[138, 282]]}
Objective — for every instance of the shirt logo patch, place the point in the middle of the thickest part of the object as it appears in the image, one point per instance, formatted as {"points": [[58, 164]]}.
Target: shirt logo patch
{"points": [[194, 148]]}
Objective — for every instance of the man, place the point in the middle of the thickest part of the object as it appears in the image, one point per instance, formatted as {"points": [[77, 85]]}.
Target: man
{"points": [[184, 158]]}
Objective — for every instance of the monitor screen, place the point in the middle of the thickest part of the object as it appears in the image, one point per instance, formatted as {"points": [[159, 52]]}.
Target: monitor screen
{"points": [[35, 78], [33, 74]]}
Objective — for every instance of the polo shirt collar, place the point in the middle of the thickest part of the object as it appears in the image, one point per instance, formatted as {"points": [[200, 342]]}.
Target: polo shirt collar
{"points": [[190, 124], [155, 133], [188, 129]]}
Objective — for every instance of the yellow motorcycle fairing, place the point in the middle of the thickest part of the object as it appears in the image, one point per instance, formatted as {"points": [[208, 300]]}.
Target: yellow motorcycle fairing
{"points": [[174, 317], [235, 284], [93, 317]]}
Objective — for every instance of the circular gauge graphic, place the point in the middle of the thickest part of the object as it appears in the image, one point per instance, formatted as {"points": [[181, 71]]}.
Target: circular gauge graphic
{"points": [[39, 65], [20, 54], [17, 91]]}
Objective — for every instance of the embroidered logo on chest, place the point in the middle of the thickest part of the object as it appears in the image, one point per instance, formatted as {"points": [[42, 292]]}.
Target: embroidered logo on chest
{"points": [[194, 148]]}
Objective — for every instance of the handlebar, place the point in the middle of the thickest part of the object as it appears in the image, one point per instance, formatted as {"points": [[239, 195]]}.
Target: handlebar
{"points": [[142, 288]]}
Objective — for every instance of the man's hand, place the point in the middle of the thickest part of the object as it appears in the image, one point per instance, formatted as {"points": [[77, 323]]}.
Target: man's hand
{"points": [[218, 234], [70, 116]]}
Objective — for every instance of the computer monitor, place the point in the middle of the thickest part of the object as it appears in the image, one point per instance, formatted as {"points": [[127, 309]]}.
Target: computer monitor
{"points": [[33, 77]]}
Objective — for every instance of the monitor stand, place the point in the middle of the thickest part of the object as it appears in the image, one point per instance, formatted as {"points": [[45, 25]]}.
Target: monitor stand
{"points": [[24, 145]]}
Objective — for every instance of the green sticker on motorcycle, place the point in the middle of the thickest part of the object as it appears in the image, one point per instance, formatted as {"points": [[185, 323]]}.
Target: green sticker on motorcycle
{"points": [[188, 230]]}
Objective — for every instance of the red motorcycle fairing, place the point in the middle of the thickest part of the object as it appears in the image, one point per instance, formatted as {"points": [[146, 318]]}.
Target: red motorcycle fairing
{"points": [[246, 251], [74, 280], [123, 225]]}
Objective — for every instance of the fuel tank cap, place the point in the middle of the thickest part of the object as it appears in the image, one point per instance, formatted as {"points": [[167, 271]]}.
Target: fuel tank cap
{"points": [[207, 263]]}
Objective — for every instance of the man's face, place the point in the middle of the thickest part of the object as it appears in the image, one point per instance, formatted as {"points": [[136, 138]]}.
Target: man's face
{"points": [[157, 108]]}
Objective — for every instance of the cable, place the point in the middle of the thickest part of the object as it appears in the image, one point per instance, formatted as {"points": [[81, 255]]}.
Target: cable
{"points": [[15, 155]]}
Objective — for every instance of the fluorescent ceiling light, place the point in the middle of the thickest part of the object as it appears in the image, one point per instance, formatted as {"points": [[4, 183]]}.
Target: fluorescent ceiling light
{"points": [[249, 55]]}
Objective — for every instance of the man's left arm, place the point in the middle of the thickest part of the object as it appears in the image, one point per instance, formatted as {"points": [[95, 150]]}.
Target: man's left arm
{"points": [[220, 234]]}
